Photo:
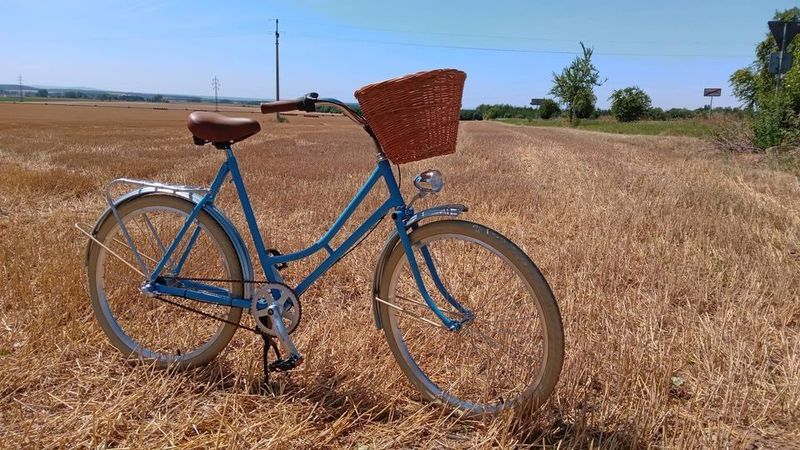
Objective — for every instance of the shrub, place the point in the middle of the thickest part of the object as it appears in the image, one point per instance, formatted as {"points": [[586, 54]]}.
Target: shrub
{"points": [[548, 108], [732, 133], [657, 114], [679, 113], [470, 114], [629, 104], [776, 123], [786, 158], [583, 105]]}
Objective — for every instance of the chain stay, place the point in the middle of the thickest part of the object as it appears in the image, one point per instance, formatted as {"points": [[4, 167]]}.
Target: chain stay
{"points": [[205, 314]]}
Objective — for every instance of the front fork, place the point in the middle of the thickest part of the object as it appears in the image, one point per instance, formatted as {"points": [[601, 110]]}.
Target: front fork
{"points": [[467, 315]]}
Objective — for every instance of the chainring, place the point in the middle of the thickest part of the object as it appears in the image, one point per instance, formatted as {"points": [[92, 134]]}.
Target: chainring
{"points": [[264, 295]]}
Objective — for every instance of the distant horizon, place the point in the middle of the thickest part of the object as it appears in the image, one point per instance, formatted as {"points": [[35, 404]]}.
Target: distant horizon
{"points": [[254, 99], [509, 50]]}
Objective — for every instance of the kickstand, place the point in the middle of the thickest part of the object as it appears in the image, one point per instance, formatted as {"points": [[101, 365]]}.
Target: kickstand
{"points": [[268, 343]]}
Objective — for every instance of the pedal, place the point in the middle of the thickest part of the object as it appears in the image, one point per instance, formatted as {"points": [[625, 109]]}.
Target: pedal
{"points": [[283, 365]]}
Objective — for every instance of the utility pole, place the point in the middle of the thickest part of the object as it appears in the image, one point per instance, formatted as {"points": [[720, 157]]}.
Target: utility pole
{"points": [[277, 71], [215, 85], [19, 78], [780, 59], [710, 106]]}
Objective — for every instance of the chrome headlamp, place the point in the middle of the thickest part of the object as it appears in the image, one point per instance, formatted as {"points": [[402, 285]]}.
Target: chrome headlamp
{"points": [[427, 182]]}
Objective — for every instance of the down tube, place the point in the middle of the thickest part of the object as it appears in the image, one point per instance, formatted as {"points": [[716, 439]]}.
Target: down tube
{"points": [[395, 201]]}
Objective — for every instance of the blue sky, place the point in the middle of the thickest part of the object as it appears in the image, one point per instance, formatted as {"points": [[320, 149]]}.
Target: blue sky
{"points": [[509, 49]]}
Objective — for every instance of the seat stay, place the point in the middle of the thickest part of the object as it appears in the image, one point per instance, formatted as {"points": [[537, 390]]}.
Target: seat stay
{"points": [[208, 198]]}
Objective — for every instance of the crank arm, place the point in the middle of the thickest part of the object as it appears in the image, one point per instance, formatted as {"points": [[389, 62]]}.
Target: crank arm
{"points": [[274, 312]]}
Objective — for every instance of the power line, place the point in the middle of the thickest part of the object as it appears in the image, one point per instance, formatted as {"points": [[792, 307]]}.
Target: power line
{"points": [[216, 36], [19, 78], [525, 38], [215, 85], [516, 50]]}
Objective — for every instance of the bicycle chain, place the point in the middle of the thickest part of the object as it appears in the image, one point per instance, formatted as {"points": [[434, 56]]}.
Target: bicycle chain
{"points": [[205, 314]]}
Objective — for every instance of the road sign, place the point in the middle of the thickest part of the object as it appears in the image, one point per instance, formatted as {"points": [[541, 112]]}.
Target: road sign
{"points": [[712, 92], [536, 101], [783, 31], [779, 63]]}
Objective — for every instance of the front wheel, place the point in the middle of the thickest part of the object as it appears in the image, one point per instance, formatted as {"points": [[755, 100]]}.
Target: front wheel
{"points": [[509, 355]]}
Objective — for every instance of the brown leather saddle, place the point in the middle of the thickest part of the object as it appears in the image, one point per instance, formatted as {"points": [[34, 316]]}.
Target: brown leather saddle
{"points": [[220, 130]]}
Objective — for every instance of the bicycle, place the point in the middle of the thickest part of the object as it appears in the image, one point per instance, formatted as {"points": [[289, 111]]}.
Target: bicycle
{"points": [[436, 291]]}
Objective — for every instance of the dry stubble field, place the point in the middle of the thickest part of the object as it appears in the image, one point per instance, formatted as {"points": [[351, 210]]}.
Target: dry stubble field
{"points": [[677, 270]]}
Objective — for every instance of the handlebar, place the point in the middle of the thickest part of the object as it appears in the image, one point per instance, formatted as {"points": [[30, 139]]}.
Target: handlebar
{"points": [[308, 103], [305, 103], [280, 106]]}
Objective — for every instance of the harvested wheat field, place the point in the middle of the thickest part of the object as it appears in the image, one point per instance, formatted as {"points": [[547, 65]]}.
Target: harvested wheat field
{"points": [[677, 270]]}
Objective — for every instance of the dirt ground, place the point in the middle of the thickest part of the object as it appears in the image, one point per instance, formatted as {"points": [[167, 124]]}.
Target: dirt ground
{"points": [[677, 270]]}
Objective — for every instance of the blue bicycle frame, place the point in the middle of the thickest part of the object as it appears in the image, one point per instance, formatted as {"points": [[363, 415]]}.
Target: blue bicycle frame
{"points": [[394, 204]]}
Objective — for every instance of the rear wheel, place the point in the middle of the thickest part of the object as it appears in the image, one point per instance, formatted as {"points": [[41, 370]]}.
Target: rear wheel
{"points": [[147, 328], [510, 355]]}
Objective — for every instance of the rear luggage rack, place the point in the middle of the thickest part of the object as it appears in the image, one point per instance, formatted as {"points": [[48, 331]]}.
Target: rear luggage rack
{"points": [[163, 187]]}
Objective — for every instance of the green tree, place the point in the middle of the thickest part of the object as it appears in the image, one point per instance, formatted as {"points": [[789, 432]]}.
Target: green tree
{"points": [[42, 93], [548, 108], [575, 85], [629, 104], [755, 86], [775, 118]]}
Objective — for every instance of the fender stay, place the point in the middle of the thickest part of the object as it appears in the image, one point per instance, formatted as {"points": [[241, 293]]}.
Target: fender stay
{"points": [[452, 210]]}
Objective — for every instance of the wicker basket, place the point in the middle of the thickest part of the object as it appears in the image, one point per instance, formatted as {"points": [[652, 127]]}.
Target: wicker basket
{"points": [[416, 116]]}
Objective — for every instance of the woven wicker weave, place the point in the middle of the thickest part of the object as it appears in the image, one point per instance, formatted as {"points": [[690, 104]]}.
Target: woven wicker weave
{"points": [[416, 116]]}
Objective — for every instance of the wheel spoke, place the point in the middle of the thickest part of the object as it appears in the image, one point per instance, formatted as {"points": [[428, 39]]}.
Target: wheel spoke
{"points": [[155, 234]]}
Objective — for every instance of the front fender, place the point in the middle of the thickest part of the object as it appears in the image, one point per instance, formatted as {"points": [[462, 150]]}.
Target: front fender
{"points": [[453, 210], [210, 208]]}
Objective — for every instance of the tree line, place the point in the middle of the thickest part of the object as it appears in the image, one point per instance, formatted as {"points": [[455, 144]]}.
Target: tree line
{"points": [[503, 111], [770, 117]]}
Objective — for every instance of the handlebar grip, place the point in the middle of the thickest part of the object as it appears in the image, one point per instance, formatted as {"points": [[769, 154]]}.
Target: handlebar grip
{"points": [[282, 106]]}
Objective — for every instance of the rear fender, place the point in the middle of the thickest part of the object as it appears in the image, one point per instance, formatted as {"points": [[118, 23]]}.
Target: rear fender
{"points": [[210, 208], [394, 239]]}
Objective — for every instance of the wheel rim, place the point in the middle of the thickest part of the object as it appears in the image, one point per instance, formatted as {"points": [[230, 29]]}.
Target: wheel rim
{"points": [[150, 328], [481, 369]]}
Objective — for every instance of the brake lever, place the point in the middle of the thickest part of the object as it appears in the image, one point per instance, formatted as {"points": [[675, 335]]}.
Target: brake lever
{"points": [[309, 102]]}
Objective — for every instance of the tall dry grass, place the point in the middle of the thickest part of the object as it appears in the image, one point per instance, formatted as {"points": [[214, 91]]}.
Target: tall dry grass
{"points": [[677, 270]]}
